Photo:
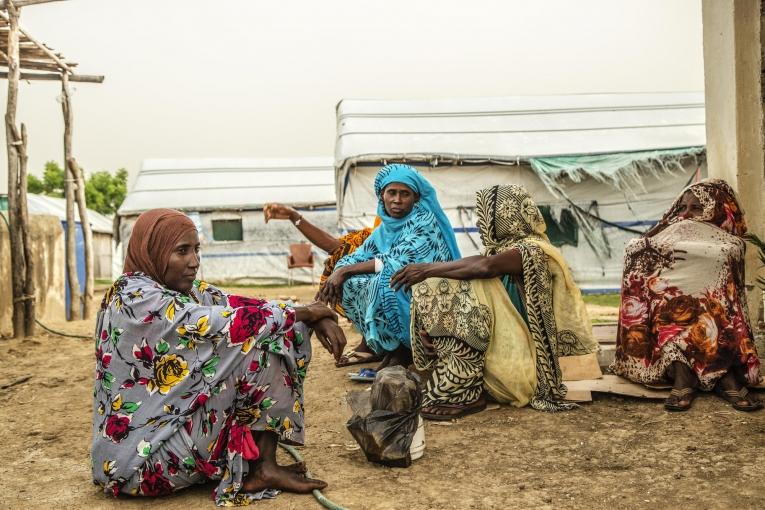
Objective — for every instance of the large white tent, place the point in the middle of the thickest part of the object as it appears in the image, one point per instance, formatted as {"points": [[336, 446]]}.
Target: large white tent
{"points": [[225, 198], [618, 157]]}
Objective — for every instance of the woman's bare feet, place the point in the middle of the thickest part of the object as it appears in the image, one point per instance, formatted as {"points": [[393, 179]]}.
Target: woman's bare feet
{"points": [[267, 475], [297, 467]]}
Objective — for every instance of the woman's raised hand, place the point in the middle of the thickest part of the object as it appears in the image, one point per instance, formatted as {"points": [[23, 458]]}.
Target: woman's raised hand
{"points": [[279, 212]]}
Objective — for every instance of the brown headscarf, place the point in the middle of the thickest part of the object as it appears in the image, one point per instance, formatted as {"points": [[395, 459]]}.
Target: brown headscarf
{"points": [[152, 241]]}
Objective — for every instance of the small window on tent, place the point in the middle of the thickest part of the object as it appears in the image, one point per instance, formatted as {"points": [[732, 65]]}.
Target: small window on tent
{"points": [[227, 230]]}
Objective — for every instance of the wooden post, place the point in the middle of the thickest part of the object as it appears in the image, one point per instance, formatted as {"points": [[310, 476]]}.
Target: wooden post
{"points": [[18, 264], [87, 234], [74, 311], [29, 283]]}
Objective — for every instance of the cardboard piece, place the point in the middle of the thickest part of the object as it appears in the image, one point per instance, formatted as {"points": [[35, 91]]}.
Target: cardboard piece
{"points": [[618, 386], [579, 396], [578, 368], [604, 333]]}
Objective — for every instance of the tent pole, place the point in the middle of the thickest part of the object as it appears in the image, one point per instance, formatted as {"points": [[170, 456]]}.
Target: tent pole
{"points": [[23, 210], [74, 311], [87, 234], [15, 231]]}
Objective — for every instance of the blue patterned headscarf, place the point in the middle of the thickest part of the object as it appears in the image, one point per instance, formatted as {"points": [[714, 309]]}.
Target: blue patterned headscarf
{"points": [[387, 232]]}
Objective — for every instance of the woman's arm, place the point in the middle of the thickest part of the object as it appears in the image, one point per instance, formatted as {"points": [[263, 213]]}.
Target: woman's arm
{"points": [[314, 234], [476, 267]]}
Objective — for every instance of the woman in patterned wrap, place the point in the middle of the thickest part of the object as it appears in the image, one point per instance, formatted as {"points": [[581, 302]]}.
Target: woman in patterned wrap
{"points": [[194, 384], [683, 314], [414, 229], [497, 322]]}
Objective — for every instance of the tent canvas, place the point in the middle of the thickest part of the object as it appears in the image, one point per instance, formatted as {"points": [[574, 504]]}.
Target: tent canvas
{"points": [[621, 157], [226, 197]]}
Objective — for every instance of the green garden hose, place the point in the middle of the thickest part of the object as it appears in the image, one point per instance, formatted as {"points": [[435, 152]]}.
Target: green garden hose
{"points": [[317, 493]]}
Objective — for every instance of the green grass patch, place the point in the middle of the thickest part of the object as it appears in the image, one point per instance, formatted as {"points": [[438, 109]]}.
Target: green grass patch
{"points": [[612, 300]]}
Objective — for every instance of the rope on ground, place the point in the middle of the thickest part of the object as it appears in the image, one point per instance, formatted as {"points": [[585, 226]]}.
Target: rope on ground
{"points": [[326, 503], [60, 333]]}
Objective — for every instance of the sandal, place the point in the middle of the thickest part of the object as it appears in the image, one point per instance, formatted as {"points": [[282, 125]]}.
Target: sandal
{"points": [[736, 396], [465, 410], [363, 375], [677, 395], [357, 358]]}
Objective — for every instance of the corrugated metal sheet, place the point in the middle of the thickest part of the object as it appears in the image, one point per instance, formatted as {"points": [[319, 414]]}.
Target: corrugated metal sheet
{"points": [[219, 184], [41, 204], [517, 127]]}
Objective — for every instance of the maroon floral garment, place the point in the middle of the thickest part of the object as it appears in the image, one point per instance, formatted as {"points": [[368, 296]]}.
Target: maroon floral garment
{"points": [[683, 296]]}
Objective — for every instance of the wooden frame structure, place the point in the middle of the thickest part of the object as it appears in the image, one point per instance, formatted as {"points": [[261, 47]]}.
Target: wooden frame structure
{"points": [[19, 51]]}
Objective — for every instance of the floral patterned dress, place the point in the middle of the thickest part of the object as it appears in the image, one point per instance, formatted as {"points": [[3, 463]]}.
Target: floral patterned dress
{"points": [[183, 382], [683, 296]]}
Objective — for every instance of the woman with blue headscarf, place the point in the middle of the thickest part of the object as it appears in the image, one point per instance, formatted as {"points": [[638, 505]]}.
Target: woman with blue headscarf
{"points": [[414, 229]]}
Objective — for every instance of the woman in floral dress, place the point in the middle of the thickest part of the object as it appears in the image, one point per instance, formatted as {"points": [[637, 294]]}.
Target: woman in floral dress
{"points": [[193, 384], [683, 313]]}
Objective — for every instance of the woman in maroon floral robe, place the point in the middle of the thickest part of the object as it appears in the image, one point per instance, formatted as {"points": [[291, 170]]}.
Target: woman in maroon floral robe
{"points": [[683, 313]]}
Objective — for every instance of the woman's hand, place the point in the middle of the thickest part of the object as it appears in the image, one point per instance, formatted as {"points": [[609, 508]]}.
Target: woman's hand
{"points": [[408, 276], [280, 212], [332, 292], [331, 336], [313, 313]]}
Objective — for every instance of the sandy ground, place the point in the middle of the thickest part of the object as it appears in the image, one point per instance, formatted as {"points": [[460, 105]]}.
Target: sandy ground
{"points": [[612, 453]]}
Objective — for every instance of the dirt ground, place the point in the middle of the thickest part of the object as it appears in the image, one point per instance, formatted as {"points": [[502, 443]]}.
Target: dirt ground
{"points": [[612, 453]]}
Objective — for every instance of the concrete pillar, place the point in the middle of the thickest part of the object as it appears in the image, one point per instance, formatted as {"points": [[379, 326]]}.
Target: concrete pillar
{"points": [[734, 112]]}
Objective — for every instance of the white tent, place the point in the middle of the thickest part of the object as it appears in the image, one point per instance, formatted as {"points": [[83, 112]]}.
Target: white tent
{"points": [[225, 198], [42, 204], [620, 157]]}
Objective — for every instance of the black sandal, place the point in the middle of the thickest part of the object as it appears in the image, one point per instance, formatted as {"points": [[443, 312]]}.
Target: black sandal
{"points": [[736, 396], [464, 410], [676, 396]]}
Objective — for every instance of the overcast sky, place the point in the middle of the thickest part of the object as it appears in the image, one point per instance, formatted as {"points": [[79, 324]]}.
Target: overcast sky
{"points": [[250, 78]]}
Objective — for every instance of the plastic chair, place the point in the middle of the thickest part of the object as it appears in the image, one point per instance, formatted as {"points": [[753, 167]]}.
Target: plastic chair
{"points": [[300, 255]]}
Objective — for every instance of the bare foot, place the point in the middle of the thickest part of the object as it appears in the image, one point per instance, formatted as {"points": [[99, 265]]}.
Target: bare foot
{"points": [[272, 476], [297, 467]]}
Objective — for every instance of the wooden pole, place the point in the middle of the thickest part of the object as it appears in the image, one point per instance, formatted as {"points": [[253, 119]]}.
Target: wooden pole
{"points": [[87, 234], [74, 311], [24, 3], [18, 264], [29, 277], [86, 78], [41, 46]]}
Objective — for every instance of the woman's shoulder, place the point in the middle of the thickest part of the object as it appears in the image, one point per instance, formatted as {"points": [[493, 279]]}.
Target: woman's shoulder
{"points": [[207, 293]]}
